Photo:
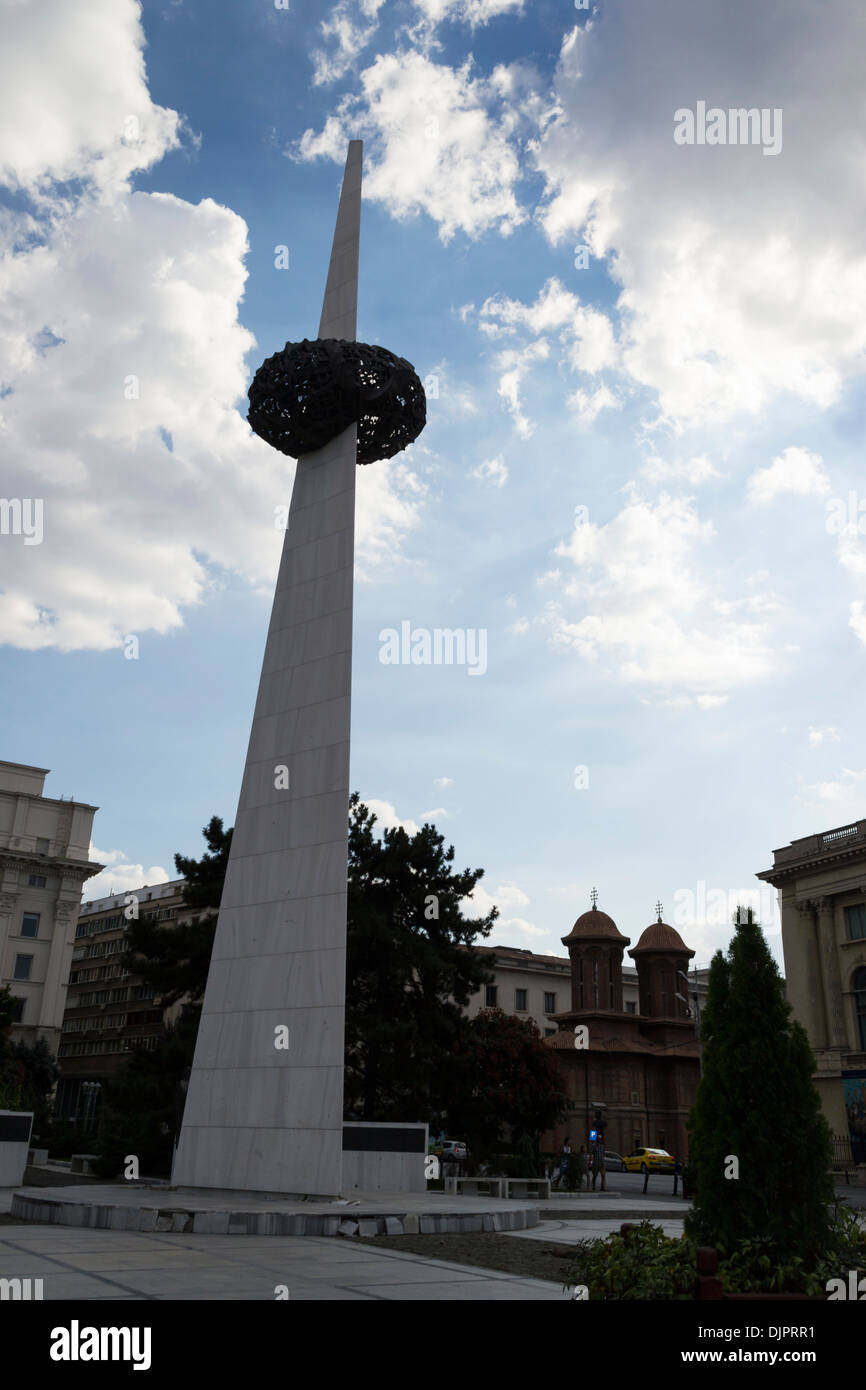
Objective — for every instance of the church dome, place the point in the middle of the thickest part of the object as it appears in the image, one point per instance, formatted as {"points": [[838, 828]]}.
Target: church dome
{"points": [[594, 926], [660, 937]]}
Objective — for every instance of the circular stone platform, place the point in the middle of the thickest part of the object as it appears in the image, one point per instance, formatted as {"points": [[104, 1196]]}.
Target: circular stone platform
{"points": [[142, 1208]]}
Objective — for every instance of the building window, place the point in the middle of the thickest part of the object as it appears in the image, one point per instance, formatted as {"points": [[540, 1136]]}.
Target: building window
{"points": [[855, 921], [30, 924], [490, 996], [859, 986], [23, 965], [580, 983], [550, 1032], [630, 1006], [520, 1000], [595, 984], [610, 990], [36, 881], [550, 1003], [18, 1010], [41, 846]]}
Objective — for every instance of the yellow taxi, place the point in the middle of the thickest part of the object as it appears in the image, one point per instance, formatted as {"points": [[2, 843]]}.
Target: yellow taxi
{"points": [[649, 1161]]}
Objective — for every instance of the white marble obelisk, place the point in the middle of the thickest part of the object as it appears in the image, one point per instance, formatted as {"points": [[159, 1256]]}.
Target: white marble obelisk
{"points": [[259, 1116]]}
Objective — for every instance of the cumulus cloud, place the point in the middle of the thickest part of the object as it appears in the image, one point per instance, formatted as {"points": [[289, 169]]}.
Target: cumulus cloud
{"points": [[634, 596], [75, 99], [439, 143], [505, 897], [387, 817], [119, 875], [443, 782], [796, 471], [123, 360], [728, 299]]}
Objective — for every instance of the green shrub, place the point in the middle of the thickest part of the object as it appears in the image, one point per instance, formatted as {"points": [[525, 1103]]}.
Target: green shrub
{"points": [[642, 1264], [647, 1264]]}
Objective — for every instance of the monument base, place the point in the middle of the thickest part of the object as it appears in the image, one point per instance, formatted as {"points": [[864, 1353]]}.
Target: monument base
{"points": [[188, 1211]]}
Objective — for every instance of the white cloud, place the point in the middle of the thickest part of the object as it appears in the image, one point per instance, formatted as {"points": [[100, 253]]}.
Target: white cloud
{"points": [[519, 628], [845, 793], [454, 401], [124, 361], [492, 471], [434, 814], [76, 104], [434, 146], [850, 551], [119, 876], [822, 733], [857, 619], [796, 471], [474, 12], [515, 367], [347, 32], [728, 299], [387, 818], [693, 471], [506, 896], [388, 502], [643, 604], [443, 782], [520, 924], [587, 405], [584, 338]]}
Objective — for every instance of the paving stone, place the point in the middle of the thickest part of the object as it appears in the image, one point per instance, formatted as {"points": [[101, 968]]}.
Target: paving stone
{"points": [[428, 1225], [393, 1226], [410, 1224], [368, 1228], [487, 1222], [348, 1228], [147, 1219], [211, 1223]]}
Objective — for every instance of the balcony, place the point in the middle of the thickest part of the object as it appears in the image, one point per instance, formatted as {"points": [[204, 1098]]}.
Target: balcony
{"points": [[815, 846]]}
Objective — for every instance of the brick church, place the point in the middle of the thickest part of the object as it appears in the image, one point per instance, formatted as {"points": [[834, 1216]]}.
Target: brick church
{"points": [[643, 1067]]}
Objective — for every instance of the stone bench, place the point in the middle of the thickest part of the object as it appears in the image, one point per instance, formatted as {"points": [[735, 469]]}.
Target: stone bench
{"points": [[80, 1163], [540, 1186], [454, 1186], [37, 1156]]}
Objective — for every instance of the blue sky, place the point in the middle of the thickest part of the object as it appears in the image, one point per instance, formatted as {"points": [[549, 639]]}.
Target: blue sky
{"points": [[641, 478]]}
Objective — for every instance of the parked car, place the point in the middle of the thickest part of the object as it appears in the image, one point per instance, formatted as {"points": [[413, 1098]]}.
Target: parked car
{"points": [[614, 1163], [649, 1161], [450, 1150]]}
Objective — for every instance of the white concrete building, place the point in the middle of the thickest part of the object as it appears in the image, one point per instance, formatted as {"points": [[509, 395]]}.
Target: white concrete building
{"points": [[44, 860]]}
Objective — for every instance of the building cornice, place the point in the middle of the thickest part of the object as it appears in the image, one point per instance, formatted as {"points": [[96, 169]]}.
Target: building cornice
{"points": [[40, 863]]}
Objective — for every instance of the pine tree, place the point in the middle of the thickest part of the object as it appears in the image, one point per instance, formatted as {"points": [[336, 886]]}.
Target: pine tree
{"points": [[408, 970], [757, 1113]]}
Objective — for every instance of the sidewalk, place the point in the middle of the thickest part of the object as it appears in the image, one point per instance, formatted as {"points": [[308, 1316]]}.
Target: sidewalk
{"points": [[130, 1265]]}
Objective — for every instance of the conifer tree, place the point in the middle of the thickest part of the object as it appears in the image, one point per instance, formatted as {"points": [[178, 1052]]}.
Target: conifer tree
{"points": [[759, 1143]]}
